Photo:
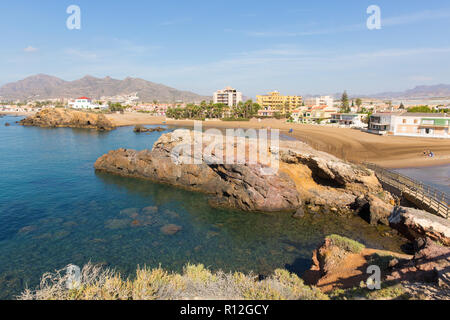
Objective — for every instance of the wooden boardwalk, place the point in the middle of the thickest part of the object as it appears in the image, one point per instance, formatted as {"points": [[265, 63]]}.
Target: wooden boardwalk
{"points": [[422, 195]]}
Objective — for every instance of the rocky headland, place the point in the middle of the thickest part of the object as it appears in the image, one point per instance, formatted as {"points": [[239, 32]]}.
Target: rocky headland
{"points": [[53, 118], [305, 176], [305, 179]]}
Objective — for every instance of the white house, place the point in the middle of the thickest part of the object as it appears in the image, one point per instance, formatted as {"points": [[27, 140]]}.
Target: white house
{"points": [[349, 119], [84, 103]]}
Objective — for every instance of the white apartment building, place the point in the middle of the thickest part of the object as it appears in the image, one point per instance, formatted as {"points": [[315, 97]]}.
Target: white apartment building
{"points": [[320, 101], [84, 103], [228, 96]]}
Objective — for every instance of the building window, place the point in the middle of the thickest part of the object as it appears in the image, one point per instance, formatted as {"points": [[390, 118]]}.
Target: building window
{"points": [[404, 121]]}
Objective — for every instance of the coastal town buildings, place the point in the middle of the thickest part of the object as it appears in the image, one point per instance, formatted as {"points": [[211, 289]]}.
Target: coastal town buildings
{"points": [[353, 120], [84, 103], [275, 101], [432, 125], [313, 114], [320, 101], [228, 96]]}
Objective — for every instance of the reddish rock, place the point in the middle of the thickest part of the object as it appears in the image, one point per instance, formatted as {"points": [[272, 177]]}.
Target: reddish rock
{"points": [[52, 118], [431, 264], [171, 229], [243, 186], [415, 224]]}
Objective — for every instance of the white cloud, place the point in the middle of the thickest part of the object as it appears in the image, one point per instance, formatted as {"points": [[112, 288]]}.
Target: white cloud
{"points": [[81, 54], [30, 49], [385, 22]]}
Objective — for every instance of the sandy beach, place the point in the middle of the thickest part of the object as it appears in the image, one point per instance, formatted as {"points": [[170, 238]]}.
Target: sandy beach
{"points": [[349, 144]]}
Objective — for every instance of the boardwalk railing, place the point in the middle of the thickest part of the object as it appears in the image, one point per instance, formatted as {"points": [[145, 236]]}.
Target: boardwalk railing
{"points": [[422, 195]]}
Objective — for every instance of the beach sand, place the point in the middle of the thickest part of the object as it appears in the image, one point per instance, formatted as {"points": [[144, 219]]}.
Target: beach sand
{"points": [[348, 144]]}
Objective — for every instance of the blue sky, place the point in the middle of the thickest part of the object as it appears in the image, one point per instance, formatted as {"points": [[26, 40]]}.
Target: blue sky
{"points": [[296, 47]]}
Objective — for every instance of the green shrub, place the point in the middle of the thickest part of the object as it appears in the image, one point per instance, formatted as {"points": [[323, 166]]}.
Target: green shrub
{"points": [[346, 244]]}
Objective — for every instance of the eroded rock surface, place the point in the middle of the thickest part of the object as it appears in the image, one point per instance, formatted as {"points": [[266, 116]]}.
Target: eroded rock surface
{"points": [[305, 175], [415, 223]]}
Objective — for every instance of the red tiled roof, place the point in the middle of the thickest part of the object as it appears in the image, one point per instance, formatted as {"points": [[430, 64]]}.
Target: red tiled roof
{"points": [[84, 98]]}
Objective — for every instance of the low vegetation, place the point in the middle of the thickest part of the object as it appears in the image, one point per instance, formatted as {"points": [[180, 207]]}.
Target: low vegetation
{"points": [[195, 282], [346, 244]]}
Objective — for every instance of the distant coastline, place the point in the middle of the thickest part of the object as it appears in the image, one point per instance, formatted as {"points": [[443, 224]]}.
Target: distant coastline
{"points": [[347, 144]]}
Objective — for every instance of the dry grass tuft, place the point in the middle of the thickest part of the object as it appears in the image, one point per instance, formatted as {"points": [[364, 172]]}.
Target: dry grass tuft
{"points": [[195, 282]]}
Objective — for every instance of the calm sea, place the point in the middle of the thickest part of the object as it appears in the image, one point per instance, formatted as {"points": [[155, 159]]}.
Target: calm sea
{"points": [[55, 210], [438, 176]]}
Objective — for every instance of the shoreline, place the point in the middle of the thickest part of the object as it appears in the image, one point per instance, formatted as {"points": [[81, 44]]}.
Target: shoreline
{"points": [[393, 152]]}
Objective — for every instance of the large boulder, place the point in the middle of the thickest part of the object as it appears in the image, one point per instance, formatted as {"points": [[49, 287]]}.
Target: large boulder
{"points": [[304, 176], [242, 186], [56, 117], [415, 223], [329, 170], [380, 210]]}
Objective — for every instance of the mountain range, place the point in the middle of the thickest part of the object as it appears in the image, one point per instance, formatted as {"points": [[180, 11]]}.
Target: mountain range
{"points": [[41, 87], [419, 92]]}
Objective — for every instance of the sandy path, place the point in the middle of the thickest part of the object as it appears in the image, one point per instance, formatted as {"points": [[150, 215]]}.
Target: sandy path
{"points": [[348, 144]]}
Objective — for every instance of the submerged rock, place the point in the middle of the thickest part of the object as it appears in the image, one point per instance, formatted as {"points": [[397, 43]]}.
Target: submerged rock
{"points": [[150, 210], [171, 229], [7, 124], [117, 223], [27, 229], [53, 118], [139, 128], [300, 213]]}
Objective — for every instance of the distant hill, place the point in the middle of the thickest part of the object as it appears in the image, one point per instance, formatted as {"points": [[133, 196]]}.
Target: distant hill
{"points": [[419, 92], [43, 86]]}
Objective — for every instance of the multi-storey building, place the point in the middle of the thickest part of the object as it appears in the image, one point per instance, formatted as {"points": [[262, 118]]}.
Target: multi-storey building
{"points": [[320, 101], [275, 101], [433, 125], [228, 96]]}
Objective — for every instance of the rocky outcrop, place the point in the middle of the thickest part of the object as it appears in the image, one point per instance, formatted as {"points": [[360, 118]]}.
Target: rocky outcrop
{"points": [[415, 223], [243, 186], [380, 210], [52, 118], [140, 129], [330, 170], [430, 264], [341, 263], [325, 180], [305, 176]]}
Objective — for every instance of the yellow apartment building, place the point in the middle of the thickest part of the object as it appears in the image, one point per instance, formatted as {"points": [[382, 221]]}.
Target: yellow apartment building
{"points": [[275, 101]]}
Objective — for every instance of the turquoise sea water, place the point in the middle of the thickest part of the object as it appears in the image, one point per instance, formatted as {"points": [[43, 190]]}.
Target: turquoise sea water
{"points": [[55, 210]]}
